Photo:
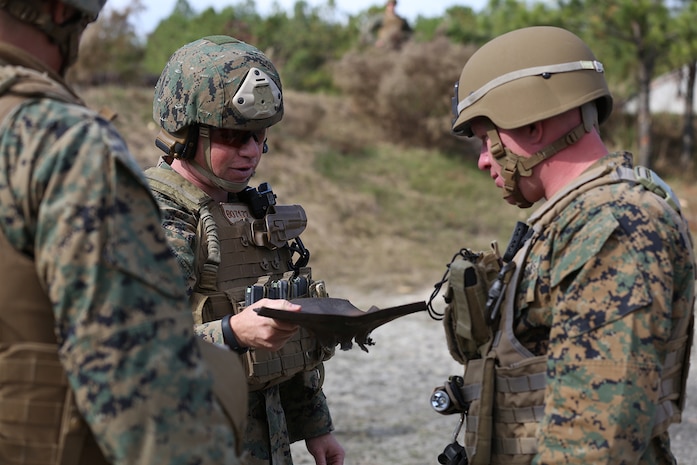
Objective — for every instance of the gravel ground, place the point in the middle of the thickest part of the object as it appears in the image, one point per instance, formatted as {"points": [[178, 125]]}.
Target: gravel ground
{"points": [[380, 400]]}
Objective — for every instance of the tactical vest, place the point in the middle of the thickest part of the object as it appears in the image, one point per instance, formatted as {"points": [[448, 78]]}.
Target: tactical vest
{"points": [[241, 259], [505, 388]]}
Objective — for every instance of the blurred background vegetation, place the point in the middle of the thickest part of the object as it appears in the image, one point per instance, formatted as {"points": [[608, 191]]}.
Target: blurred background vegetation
{"points": [[365, 145]]}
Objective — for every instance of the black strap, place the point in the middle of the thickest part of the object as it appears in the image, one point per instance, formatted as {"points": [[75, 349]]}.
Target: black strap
{"points": [[520, 234], [229, 336]]}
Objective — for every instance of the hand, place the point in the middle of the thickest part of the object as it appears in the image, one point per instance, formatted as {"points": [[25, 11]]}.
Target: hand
{"points": [[260, 332], [326, 450]]}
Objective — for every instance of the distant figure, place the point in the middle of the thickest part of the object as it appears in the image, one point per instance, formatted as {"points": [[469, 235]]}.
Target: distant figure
{"points": [[393, 30]]}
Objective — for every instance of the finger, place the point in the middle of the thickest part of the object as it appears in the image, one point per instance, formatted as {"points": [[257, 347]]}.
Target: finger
{"points": [[277, 304]]}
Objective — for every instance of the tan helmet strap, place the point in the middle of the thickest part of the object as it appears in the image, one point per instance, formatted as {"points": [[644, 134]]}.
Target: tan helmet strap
{"points": [[508, 161], [513, 166], [589, 116]]}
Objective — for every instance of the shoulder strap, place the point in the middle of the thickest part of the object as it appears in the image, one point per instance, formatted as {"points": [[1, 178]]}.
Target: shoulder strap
{"points": [[18, 84], [172, 184]]}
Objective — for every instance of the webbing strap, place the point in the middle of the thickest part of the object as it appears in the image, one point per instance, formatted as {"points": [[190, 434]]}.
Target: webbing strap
{"points": [[171, 183], [520, 414], [508, 446], [17, 453], [74, 431], [34, 413], [471, 392], [527, 72], [518, 384], [523, 383], [515, 446], [32, 371]]}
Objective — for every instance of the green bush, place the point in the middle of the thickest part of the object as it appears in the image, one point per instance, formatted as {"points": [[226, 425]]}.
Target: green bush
{"points": [[406, 93]]}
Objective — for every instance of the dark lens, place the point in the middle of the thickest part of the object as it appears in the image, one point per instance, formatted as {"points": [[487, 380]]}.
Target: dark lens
{"points": [[237, 138]]}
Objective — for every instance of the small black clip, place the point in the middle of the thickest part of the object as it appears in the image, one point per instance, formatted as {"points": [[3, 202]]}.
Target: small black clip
{"points": [[298, 247], [259, 200]]}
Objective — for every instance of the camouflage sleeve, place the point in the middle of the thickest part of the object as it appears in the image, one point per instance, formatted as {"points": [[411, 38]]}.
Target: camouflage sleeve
{"points": [[211, 332], [180, 227], [123, 329], [305, 406], [611, 297]]}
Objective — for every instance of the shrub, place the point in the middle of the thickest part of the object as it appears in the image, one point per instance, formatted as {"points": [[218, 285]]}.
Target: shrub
{"points": [[405, 93]]}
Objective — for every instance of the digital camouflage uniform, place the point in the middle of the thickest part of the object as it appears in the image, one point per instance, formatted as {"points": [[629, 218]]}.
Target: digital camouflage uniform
{"points": [[74, 202], [278, 415], [578, 351], [604, 287], [221, 82]]}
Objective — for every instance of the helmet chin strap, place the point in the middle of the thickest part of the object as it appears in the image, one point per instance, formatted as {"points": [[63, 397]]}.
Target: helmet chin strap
{"points": [[228, 186], [513, 166]]}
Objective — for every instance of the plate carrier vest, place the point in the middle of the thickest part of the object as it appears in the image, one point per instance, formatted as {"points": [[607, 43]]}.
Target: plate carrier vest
{"points": [[241, 259]]}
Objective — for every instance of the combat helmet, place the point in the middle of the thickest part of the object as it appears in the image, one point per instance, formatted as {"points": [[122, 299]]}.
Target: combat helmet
{"points": [[525, 76], [66, 36], [219, 82], [529, 75]]}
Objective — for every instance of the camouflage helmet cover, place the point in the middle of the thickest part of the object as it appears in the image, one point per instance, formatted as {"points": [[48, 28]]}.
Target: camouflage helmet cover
{"points": [[528, 75], [221, 82]]}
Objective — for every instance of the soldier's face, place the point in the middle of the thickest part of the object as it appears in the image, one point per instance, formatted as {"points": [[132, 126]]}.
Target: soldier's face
{"points": [[235, 154], [516, 140]]}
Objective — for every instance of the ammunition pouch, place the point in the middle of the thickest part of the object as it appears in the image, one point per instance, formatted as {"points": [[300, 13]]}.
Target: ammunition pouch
{"points": [[504, 434], [302, 352]]}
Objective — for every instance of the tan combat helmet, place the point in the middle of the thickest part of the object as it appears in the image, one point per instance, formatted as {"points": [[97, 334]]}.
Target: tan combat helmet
{"points": [[526, 76], [529, 75], [66, 36], [218, 82]]}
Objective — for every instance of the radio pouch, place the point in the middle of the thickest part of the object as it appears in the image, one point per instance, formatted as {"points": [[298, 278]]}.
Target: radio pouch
{"points": [[470, 275]]}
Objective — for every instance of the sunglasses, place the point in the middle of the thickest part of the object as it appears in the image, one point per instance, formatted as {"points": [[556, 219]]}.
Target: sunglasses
{"points": [[236, 137]]}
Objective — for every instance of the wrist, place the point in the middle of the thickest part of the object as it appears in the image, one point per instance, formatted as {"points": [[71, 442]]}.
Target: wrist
{"points": [[229, 336]]}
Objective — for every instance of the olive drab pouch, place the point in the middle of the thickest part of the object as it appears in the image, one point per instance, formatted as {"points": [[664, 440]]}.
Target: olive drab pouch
{"points": [[465, 318], [480, 377]]}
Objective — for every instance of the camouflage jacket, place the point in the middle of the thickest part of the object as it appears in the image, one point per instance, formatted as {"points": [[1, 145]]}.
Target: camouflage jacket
{"points": [[604, 284], [279, 415], [74, 201]]}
